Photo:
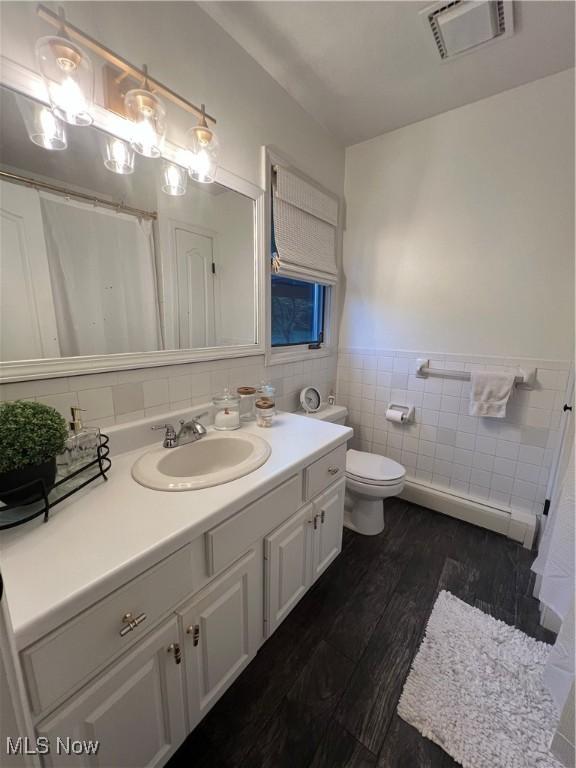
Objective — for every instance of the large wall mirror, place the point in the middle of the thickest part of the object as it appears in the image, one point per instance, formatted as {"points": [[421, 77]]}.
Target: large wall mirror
{"points": [[102, 270]]}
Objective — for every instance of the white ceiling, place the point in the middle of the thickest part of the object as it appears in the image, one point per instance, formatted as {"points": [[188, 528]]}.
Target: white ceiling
{"points": [[364, 68]]}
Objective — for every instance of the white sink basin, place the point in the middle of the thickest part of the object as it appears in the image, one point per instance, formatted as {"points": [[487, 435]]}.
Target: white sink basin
{"points": [[214, 459]]}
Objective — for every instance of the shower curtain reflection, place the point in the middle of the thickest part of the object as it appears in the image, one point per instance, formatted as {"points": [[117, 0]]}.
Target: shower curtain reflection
{"points": [[103, 277]]}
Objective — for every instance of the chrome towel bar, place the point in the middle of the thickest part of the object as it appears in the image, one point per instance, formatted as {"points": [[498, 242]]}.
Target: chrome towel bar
{"points": [[525, 377]]}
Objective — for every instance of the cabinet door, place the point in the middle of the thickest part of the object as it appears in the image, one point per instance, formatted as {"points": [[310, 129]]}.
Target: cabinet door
{"points": [[135, 710], [287, 567], [329, 516], [222, 630]]}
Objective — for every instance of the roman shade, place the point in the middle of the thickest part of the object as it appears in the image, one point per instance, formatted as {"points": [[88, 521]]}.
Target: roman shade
{"points": [[305, 222]]}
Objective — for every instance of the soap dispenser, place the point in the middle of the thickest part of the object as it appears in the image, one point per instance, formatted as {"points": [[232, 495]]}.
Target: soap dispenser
{"points": [[85, 440]]}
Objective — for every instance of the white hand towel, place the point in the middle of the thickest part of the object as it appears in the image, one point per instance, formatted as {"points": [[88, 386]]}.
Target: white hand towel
{"points": [[489, 393]]}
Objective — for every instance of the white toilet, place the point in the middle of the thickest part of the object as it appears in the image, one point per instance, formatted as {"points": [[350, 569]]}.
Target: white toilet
{"points": [[370, 479]]}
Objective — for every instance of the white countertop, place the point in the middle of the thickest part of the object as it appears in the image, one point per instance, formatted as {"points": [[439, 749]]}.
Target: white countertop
{"points": [[111, 531]]}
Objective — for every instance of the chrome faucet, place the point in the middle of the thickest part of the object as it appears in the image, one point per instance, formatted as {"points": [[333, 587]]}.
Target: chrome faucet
{"points": [[190, 431]]}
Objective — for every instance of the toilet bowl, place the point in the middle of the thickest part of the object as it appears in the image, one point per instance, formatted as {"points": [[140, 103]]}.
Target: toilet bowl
{"points": [[370, 478]]}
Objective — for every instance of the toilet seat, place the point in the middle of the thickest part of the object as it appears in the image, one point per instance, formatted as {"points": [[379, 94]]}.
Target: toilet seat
{"points": [[365, 481], [373, 469]]}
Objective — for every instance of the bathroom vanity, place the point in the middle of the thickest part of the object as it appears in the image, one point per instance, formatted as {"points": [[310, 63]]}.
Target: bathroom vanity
{"points": [[135, 609]]}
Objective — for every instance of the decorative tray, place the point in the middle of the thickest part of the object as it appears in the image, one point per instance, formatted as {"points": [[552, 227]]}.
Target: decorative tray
{"points": [[65, 486]]}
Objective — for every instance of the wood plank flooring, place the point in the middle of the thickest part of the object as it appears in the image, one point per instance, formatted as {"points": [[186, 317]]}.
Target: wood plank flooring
{"points": [[323, 691]]}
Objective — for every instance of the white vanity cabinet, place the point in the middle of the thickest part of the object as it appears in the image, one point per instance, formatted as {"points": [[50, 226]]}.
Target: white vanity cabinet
{"points": [[135, 710], [287, 559], [301, 549], [327, 529], [140, 668], [221, 630]]}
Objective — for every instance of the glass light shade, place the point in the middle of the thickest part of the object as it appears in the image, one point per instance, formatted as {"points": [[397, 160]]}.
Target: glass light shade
{"points": [[118, 156], [174, 179], [43, 128], [148, 117], [69, 77], [203, 152]]}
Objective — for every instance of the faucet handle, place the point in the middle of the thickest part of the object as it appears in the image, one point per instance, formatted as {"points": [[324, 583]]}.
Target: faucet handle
{"points": [[169, 437], [194, 419]]}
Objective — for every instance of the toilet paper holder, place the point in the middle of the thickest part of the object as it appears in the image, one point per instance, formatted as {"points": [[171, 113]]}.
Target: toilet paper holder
{"points": [[406, 412]]}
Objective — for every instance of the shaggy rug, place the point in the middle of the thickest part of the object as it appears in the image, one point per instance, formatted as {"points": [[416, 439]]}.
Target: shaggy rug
{"points": [[476, 690]]}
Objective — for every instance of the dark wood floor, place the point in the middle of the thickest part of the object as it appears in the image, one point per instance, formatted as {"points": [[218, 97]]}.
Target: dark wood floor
{"points": [[323, 691]]}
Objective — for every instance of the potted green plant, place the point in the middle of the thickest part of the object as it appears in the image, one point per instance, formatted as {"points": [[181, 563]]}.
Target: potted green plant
{"points": [[31, 436]]}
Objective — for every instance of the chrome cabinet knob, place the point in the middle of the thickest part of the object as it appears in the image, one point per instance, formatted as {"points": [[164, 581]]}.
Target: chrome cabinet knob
{"points": [[333, 470], [174, 648], [194, 630]]}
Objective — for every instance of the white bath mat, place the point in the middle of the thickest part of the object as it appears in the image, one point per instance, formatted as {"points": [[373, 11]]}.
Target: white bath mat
{"points": [[476, 690]]}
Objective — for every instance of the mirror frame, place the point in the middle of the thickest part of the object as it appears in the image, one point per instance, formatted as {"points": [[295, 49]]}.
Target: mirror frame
{"points": [[26, 82]]}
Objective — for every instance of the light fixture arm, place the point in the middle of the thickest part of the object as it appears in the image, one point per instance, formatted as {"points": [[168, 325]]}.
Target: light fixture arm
{"points": [[59, 21], [62, 25]]}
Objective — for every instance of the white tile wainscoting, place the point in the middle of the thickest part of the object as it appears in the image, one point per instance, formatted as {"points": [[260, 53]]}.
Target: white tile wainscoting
{"points": [[503, 463], [123, 396]]}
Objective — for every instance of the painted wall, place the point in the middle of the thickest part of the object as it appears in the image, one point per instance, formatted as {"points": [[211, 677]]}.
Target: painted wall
{"points": [[459, 234], [188, 51], [459, 248]]}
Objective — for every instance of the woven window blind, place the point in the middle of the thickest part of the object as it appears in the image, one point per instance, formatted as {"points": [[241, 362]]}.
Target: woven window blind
{"points": [[305, 221]]}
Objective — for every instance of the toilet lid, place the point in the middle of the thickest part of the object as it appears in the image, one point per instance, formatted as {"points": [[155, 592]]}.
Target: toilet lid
{"points": [[372, 467]]}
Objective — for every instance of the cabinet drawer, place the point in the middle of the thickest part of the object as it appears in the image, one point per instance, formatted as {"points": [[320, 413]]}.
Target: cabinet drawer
{"points": [[228, 541], [67, 657], [325, 471]]}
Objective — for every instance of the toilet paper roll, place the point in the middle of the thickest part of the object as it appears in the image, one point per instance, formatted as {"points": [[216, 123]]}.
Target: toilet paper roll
{"points": [[394, 415]]}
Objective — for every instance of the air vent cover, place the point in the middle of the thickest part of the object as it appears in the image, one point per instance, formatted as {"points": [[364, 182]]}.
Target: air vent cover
{"points": [[460, 26]]}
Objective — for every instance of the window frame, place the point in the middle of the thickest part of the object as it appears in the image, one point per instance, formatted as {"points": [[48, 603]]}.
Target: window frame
{"points": [[293, 352]]}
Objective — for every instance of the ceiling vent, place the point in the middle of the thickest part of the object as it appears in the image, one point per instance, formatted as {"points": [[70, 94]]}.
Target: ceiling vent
{"points": [[461, 26]]}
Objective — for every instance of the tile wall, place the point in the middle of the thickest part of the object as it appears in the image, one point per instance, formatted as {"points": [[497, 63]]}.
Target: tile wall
{"points": [[119, 397], [505, 462]]}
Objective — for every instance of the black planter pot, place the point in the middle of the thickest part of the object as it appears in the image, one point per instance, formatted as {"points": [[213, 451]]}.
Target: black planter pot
{"points": [[18, 477]]}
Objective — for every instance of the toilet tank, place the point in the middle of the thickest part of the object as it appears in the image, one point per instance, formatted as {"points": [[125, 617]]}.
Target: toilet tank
{"points": [[334, 413]]}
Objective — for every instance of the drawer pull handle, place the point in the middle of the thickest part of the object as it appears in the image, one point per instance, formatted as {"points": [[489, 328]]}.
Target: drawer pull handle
{"points": [[333, 470], [131, 623], [315, 522], [175, 649], [322, 516], [194, 630]]}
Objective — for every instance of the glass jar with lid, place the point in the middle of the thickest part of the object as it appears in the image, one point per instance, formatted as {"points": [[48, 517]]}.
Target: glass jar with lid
{"points": [[265, 411], [247, 399], [226, 411]]}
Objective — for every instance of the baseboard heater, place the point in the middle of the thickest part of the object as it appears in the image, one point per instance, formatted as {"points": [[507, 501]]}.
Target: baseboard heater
{"points": [[515, 524]]}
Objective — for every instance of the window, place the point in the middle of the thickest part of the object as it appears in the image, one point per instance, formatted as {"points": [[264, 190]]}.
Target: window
{"points": [[297, 312], [303, 269]]}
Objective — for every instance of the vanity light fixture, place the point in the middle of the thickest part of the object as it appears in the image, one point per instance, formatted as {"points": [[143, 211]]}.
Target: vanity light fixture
{"points": [[174, 179], [129, 92], [203, 150], [148, 116], [118, 156], [69, 78], [43, 128]]}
